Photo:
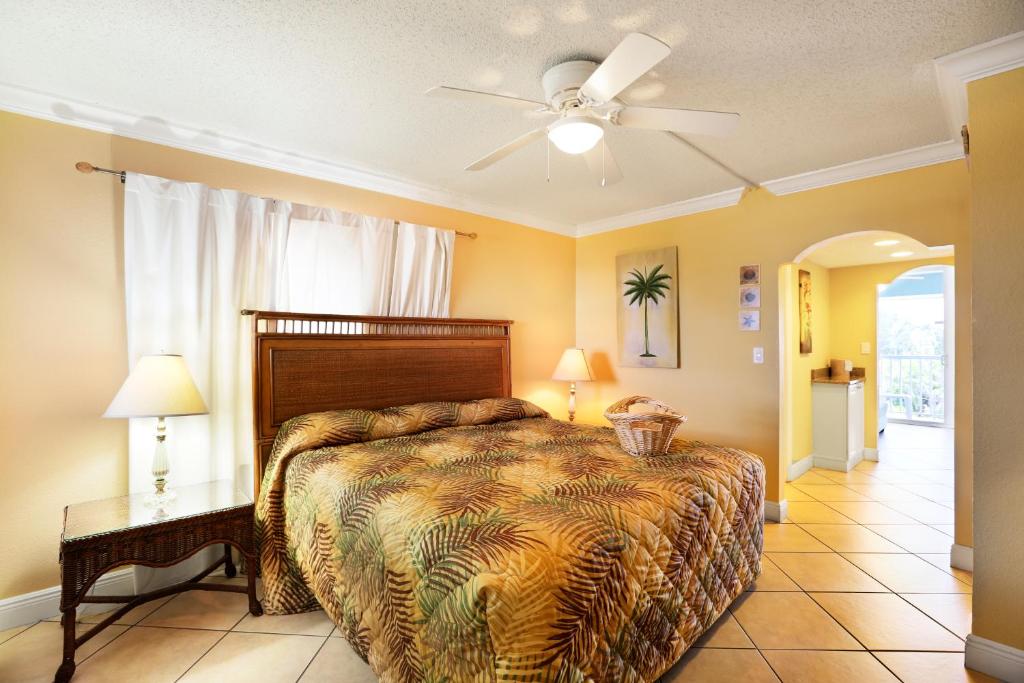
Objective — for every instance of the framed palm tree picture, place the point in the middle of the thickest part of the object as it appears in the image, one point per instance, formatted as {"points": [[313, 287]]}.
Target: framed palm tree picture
{"points": [[648, 308]]}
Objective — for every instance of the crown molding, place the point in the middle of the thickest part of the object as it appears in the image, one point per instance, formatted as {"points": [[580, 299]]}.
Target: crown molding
{"points": [[956, 70], [20, 100], [953, 71], [867, 168], [708, 202]]}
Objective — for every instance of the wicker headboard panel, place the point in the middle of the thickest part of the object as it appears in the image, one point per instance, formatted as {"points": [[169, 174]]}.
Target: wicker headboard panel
{"points": [[306, 363]]}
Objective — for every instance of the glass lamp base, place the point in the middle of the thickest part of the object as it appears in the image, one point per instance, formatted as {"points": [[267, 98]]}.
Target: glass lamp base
{"points": [[159, 499]]}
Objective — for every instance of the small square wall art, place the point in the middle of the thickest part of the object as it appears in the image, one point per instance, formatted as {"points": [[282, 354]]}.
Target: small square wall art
{"points": [[750, 321], [750, 275], [750, 296]]}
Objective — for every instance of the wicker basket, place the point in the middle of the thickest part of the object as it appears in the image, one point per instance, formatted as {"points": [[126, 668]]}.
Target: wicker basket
{"points": [[643, 434]]}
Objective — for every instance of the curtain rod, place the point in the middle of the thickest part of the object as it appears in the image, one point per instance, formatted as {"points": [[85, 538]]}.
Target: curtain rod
{"points": [[86, 167]]}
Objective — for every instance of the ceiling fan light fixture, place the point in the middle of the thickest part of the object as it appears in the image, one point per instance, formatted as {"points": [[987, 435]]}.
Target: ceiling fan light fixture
{"points": [[575, 134]]}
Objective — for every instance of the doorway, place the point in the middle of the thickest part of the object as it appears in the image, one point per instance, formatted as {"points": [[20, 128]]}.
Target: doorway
{"points": [[915, 343]]}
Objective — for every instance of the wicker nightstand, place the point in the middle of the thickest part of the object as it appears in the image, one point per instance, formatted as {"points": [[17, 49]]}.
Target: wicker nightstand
{"points": [[102, 535]]}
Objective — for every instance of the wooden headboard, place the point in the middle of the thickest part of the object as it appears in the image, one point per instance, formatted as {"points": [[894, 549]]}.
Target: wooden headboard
{"points": [[306, 363]]}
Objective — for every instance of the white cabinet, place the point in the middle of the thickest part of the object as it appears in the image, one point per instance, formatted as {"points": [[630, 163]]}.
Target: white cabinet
{"points": [[838, 424]]}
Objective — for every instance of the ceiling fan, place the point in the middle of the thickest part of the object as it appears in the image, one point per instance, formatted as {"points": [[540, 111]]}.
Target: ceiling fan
{"points": [[582, 94]]}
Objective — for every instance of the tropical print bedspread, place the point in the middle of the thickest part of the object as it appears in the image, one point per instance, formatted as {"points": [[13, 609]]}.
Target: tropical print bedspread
{"points": [[484, 541]]}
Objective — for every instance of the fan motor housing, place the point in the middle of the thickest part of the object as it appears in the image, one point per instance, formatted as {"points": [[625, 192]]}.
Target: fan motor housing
{"points": [[563, 81]]}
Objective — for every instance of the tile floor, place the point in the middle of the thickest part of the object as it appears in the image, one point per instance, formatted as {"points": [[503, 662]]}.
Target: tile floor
{"points": [[855, 587]]}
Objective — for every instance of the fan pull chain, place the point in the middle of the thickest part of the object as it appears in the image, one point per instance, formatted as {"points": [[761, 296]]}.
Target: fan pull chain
{"points": [[549, 157], [604, 171]]}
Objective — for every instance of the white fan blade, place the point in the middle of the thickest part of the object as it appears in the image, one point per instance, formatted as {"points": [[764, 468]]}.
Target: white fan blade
{"points": [[632, 58], [477, 96], [602, 164], [679, 120], [505, 150]]}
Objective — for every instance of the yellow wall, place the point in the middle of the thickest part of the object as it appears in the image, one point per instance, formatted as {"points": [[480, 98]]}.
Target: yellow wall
{"points": [[62, 347], [62, 305], [996, 107], [853, 302], [797, 437], [729, 399]]}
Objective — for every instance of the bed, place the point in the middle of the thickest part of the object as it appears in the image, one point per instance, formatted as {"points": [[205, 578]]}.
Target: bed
{"points": [[455, 533]]}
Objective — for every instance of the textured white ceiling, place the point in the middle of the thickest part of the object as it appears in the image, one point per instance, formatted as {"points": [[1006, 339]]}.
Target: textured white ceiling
{"points": [[817, 83]]}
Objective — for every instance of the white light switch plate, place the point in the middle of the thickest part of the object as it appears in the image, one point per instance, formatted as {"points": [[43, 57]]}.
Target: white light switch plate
{"points": [[865, 348], [759, 354]]}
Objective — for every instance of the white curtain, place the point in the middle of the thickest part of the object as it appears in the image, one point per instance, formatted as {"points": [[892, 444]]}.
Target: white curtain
{"points": [[195, 256]]}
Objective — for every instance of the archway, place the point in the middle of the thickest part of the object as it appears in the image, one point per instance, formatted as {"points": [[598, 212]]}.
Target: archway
{"points": [[844, 326]]}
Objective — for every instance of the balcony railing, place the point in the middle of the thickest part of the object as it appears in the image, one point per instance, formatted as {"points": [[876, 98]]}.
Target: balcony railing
{"points": [[913, 386]]}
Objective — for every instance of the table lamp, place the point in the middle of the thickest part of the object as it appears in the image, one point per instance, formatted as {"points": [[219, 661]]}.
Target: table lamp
{"points": [[572, 368], [159, 386]]}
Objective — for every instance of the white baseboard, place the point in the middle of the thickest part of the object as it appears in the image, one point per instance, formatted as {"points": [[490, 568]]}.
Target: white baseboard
{"points": [[871, 454], [798, 468], [775, 512], [838, 464], [995, 659], [29, 608], [961, 557]]}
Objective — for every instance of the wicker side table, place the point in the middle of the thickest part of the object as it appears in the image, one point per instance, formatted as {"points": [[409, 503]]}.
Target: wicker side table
{"points": [[105, 534]]}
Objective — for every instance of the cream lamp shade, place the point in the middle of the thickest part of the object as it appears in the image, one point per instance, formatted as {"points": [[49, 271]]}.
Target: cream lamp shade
{"points": [[159, 386], [572, 367]]}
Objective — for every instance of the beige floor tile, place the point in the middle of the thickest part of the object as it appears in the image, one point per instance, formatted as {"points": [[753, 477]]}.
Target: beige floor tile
{"points": [[914, 436], [934, 492], [34, 654], [337, 662], [812, 478], [867, 465], [148, 655], [851, 538], [851, 477], [884, 492], [951, 610], [772, 579], [789, 538], [941, 560], [883, 621], [793, 493], [815, 513], [265, 657], [931, 667], [871, 513], [201, 609], [795, 666], [825, 572], [130, 619], [304, 624], [897, 477], [907, 573], [726, 633], [917, 538], [944, 477], [785, 621], [924, 511], [720, 666], [7, 634], [336, 633], [827, 492]]}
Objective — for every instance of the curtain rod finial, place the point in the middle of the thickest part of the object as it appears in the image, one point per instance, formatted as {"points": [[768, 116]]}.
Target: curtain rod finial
{"points": [[84, 167]]}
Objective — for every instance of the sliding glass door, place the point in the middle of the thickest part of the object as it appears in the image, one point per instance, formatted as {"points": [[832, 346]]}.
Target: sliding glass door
{"points": [[915, 347]]}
